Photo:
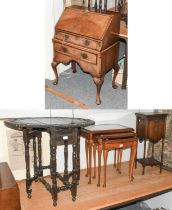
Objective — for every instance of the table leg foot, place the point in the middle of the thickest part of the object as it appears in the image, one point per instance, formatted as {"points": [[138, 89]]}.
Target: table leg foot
{"points": [[54, 67], [98, 82]]}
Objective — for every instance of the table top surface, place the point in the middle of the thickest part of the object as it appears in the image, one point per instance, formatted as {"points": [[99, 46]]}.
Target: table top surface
{"points": [[151, 114], [48, 122], [105, 127]]}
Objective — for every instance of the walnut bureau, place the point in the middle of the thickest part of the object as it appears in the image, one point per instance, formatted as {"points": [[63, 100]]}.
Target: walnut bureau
{"points": [[87, 37]]}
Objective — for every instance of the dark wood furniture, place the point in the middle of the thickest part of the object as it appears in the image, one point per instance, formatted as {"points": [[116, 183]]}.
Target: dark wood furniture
{"points": [[151, 127], [86, 36], [9, 191], [62, 131], [91, 134], [122, 138]]}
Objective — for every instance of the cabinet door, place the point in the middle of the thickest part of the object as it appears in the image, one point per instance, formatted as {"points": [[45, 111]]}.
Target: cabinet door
{"points": [[156, 130], [140, 129]]}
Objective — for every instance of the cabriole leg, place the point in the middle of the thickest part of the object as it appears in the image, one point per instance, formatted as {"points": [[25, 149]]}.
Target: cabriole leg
{"points": [[54, 67], [98, 82]]}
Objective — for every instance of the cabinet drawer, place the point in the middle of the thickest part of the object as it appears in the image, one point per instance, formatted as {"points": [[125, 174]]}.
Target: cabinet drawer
{"points": [[76, 53], [78, 40]]}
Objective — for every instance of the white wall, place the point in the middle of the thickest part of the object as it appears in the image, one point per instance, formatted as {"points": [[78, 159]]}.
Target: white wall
{"points": [[53, 10]]}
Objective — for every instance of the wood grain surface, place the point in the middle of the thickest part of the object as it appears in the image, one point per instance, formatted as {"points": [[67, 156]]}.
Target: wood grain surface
{"points": [[119, 190]]}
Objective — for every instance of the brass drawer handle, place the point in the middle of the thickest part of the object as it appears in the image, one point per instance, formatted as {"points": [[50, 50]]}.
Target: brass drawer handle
{"points": [[84, 55], [64, 49], [86, 42]]}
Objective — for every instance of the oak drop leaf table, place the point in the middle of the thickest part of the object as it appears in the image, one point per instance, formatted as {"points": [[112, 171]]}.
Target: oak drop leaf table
{"points": [[63, 131]]}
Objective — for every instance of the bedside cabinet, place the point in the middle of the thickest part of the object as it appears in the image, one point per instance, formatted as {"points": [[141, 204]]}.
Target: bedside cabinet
{"points": [[150, 127]]}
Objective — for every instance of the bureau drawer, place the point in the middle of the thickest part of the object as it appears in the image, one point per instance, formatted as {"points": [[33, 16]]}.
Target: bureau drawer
{"points": [[77, 53], [78, 40]]}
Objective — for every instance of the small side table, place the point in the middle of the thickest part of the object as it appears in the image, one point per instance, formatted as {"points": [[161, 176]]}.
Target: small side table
{"points": [[151, 127], [91, 133], [120, 140]]}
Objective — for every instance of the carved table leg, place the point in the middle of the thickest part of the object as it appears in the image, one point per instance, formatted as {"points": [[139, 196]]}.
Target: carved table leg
{"points": [[27, 159], [35, 167], [53, 146], [40, 156], [78, 154], [54, 67], [75, 167], [115, 71], [66, 160], [73, 63], [98, 82]]}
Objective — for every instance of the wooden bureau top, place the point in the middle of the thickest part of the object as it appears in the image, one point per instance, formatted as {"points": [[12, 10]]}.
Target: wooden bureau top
{"points": [[86, 23]]}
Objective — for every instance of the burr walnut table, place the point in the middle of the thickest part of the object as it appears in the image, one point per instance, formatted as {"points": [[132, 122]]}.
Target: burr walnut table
{"points": [[86, 36], [151, 127], [91, 134], [63, 131]]}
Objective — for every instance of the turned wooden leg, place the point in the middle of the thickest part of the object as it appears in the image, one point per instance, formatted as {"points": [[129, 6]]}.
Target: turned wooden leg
{"points": [[99, 161], [86, 152], [115, 158], [54, 67], [98, 82], [73, 63], [120, 160], [105, 154], [133, 154], [115, 71], [90, 159], [94, 156]]}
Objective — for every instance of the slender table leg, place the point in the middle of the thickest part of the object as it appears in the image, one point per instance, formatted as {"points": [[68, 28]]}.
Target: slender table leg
{"points": [[86, 152], [78, 154], [53, 146], [105, 154], [75, 165], [35, 167], [90, 157], [66, 160], [99, 160], [40, 155], [94, 156], [132, 160], [27, 160]]}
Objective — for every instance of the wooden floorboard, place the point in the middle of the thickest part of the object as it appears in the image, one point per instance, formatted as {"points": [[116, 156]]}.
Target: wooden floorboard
{"points": [[119, 190]]}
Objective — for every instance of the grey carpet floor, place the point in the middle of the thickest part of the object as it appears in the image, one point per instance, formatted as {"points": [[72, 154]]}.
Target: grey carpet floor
{"points": [[81, 87]]}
